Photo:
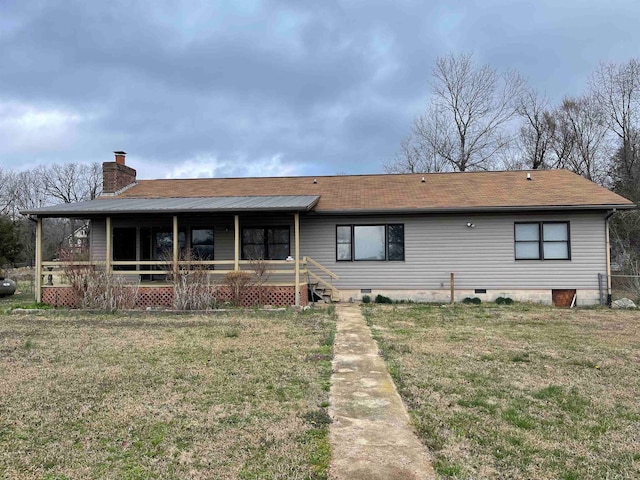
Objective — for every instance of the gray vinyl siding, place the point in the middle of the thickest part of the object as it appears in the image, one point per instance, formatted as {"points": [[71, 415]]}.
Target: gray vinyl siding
{"points": [[98, 240], [480, 257], [435, 246]]}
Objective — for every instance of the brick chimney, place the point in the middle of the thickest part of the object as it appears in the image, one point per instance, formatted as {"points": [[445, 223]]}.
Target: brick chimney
{"points": [[116, 176]]}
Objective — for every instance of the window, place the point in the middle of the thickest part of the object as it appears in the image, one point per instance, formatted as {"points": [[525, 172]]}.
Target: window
{"points": [[164, 244], [124, 247], [202, 243], [542, 241], [271, 243], [370, 242], [395, 237], [157, 243], [343, 243]]}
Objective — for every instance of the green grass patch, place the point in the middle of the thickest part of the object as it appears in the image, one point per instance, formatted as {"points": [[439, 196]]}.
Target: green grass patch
{"points": [[137, 396], [517, 391]]}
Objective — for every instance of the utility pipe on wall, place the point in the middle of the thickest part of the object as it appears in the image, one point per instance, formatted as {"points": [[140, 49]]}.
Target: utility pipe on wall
{"points": [[608, 253]]}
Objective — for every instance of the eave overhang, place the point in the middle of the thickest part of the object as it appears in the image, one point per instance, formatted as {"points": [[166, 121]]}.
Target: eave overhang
{"points": [[173, 206], [499, 209]]}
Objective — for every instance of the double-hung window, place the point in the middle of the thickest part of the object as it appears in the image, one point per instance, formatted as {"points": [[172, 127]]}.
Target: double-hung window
{"points": [[270, 243], [370, 242], [202, 243], [542, 241]]}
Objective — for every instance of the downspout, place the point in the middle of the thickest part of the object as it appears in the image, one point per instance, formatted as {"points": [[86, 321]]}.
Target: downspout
{"points": [[608, 252]]}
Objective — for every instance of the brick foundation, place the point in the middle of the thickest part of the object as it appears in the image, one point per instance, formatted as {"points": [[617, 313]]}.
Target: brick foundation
{"points": [[162, 296]]}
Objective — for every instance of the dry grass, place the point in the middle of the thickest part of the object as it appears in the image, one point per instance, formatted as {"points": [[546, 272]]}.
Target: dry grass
{"points": [[518, 392], [239, 396]]}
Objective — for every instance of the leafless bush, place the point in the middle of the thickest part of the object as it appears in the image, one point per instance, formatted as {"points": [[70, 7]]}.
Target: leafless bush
{"points": [[262, 273], [238, 283], [96, 288], [191, 288], [99, 289]]}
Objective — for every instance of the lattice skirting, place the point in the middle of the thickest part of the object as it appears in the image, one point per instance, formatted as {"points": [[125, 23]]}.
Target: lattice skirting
{"points": [[162, 296], [59, 297]]}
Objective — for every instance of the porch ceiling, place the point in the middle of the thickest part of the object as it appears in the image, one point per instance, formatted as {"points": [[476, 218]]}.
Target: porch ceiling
{"points": [[112, 206]]}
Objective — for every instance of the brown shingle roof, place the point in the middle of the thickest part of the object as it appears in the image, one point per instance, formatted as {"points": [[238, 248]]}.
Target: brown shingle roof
{"points": [[367, 193]]}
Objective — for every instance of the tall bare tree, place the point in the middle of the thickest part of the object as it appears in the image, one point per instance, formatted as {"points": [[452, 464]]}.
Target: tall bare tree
{"points": [[583, 138], [48, 185], [416, 156], [7, 191], [537, 132], [616, 88], [470, 105], [71, 182], [29, 191]]}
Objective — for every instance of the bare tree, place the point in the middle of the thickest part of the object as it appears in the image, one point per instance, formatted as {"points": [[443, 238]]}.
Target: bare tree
{"points": [[416, 156], [537, 132], [616, 88], [29, 191], [583, 127], [625, 168], [7, 191], [71, 182], [465, 122], [564, 140], [42, 186]]}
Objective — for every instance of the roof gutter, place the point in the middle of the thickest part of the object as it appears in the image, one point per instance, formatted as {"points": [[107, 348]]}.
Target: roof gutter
{"points": [[533, 208], [168, 211]]}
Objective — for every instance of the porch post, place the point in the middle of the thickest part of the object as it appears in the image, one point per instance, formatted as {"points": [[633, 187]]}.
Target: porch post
{"points": [[108, 257], [296, 240], [236, 242], [176, 246], [38, 279]]}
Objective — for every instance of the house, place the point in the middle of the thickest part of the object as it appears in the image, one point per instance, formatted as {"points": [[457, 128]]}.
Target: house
{"points": [[539, 235]]}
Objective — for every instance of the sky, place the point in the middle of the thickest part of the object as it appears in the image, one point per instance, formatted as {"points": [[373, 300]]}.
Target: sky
{"points": [[267, 88]]}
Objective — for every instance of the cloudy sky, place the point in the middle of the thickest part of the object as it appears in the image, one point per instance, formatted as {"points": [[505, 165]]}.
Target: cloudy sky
{"points": [[276, 87]]}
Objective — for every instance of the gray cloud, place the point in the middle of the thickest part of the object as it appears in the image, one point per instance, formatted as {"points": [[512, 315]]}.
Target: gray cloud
{"points": [[266, 87]]}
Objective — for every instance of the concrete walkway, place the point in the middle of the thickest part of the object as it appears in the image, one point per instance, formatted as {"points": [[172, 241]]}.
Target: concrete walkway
{"points": [[370, 434]]}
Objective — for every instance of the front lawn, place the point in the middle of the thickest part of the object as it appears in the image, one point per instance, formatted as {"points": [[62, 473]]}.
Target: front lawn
{"points": [[227, 396], [518, 392]]}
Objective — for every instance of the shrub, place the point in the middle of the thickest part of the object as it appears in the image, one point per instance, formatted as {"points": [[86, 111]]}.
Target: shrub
{"points": [[472, 301], [504, 301], [366, 299], [262, 273], [238, 283], [191, 289], [383, 299], [100, 290]]}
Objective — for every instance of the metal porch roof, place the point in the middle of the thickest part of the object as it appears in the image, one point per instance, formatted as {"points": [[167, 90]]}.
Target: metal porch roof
{"points": [[111, 206]]}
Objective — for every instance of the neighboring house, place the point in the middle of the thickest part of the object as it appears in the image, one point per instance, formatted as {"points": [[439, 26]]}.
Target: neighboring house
{"points": [[79, 238], [530, 235]]}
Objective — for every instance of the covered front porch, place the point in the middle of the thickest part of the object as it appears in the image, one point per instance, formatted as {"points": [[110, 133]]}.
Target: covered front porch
{"points": [[149, 250]]}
